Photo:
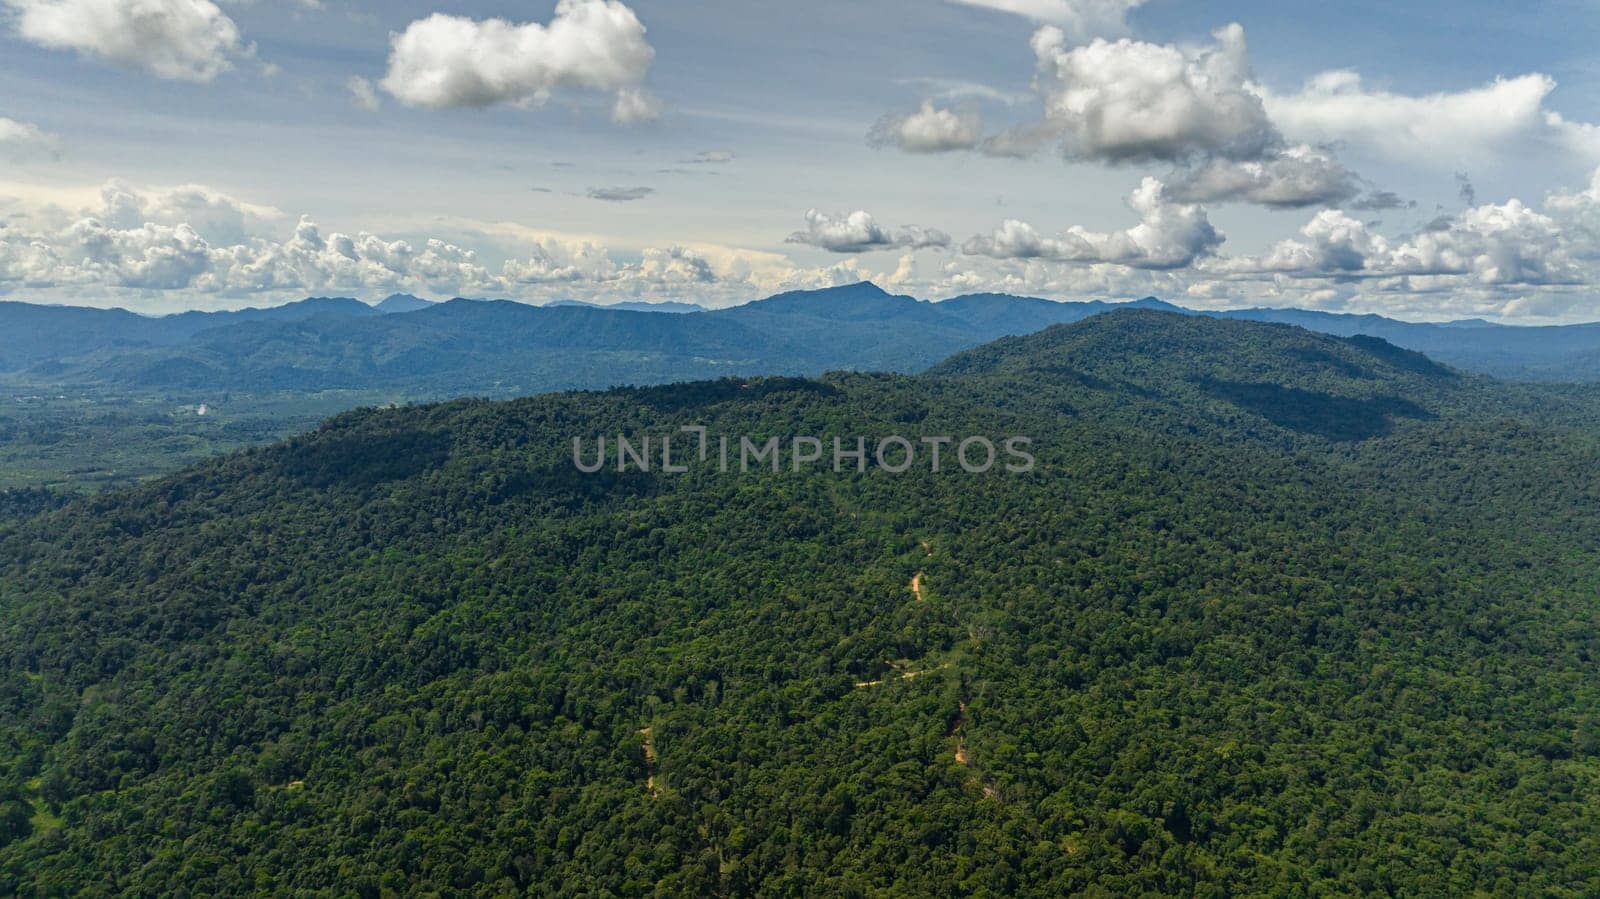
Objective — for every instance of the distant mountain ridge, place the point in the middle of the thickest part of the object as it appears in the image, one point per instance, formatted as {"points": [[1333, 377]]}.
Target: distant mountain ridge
{"points": [[429, 349], [1517, 352], [632, 306]]}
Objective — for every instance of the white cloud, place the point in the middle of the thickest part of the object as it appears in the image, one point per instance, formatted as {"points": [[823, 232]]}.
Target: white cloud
{"points": [[670, 267], [148, 256], [1493, 245], [93, 253], [1450, 127], [595, 45], [859, 232], [215, 216], [1506, 243], [191, 40], [1297, 177], [1083, 18], [1578, 137], [1579, 215], [20, 141], [1169, 236], [313, 262], [928, 130], [197, 246], [362, 91], [634, 105], [1131, 101], [552, 261]]}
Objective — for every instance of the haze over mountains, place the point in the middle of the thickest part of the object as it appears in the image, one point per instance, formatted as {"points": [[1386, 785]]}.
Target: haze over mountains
{"points": [[428, 349]]}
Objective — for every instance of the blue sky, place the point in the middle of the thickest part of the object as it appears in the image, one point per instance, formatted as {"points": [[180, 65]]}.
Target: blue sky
{"points": [[1428, 161]]}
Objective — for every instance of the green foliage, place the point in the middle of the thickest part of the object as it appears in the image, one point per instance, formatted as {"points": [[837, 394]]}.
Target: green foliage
{"points": [[1328, 629], [93, 439]]}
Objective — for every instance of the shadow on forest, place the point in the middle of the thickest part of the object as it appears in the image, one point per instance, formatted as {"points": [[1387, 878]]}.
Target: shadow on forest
{"points": [[1399, 357], [677, 397], [364, 458], [1310, 412]]}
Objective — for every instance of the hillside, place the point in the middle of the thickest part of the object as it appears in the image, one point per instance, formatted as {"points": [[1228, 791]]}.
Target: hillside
{"points": [[1276, 613], [1536, 353]]}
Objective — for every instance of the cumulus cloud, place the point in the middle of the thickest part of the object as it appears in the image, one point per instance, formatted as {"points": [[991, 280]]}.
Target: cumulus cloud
{"points": [[212, 214], [620, 194], [94, 253], [672, 266], [1579, 215], [1505, 258], [197, 245], [1084, 18], [1471, 124], [1131, 101], [1580, 138], [859, 232], [595, 45], [928, 130], [1493, 245], [1299, 176], [1169, 236], [197, 240], [21, 141], [191, 40], [550, 261], [1134, 102], [1123, 101]]}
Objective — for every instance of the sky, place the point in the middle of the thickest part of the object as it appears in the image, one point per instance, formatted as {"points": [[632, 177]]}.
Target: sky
{"points": [[1427, 161]]}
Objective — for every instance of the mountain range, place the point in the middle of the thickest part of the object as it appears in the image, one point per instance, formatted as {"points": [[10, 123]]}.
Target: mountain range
{"points": [[1275, 613], [422, 349]]}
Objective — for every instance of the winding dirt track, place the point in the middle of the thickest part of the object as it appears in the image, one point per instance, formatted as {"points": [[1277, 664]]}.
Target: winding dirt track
{"points": [[961, 742], [650, 761]]}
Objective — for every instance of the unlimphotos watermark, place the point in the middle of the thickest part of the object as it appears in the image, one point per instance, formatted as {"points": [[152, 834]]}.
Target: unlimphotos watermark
{"points": [[741, 453]]}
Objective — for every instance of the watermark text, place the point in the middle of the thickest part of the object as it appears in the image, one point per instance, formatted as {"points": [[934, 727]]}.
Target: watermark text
{"points": [[692, 446]]}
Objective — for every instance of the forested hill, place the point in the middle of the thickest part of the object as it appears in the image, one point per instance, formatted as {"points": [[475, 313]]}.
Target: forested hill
{"points": [[1275, 613]]}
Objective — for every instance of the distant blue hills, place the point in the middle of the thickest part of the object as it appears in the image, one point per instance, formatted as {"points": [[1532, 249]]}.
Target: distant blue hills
{"points": [[425, 349]]}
